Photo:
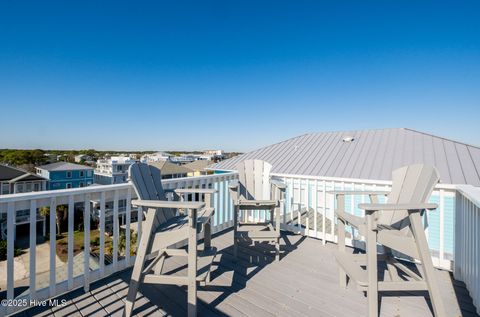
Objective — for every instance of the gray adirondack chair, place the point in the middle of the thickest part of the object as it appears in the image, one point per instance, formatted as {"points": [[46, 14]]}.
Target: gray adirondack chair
{"points": [[396, 225], [167, 224], [256, 190]]}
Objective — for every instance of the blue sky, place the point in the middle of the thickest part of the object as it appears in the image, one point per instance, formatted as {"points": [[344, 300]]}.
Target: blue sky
{"points": [[235, 75]]}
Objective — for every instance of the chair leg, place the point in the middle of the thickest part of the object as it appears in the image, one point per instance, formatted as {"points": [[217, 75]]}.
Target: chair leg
{"points": [[277, 250], [192, 271], [207, 236], [137, 276], [277, 229], [342, 276], [371, 249], [427, 264], [235, 230]]}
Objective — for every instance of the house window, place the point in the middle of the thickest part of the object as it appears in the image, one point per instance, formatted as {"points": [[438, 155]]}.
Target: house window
{"points": [[36, 187], [82, 174], [89, 173], [81, 184], [69, 185], [5, 189], [69, 174]]}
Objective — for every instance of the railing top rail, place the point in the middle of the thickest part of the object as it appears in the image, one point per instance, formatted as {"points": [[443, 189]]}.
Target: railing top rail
{"points": [[61, 192], [471, 192], [193, 178], [93, 189], [354, 180]]}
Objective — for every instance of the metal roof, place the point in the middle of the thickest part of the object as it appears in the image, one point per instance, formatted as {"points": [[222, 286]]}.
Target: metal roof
{"points": [[8, 173], [64, 166], [373, 154]]}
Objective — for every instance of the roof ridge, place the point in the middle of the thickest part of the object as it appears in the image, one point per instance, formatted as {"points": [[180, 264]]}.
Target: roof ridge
{"points": [[443, 138]]}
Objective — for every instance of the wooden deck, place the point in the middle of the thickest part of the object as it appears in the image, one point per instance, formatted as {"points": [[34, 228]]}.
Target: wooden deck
{"points": [[304, 282]]}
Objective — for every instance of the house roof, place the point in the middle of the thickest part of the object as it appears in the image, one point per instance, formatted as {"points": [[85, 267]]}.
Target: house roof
{"points": [[198, 165], [169, 168], [373, 154], [8, 173], [64, 166]]}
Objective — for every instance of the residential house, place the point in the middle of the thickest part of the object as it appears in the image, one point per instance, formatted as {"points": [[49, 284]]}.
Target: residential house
{"points": [[64, 175], [198, 168], [171, 170], [13, 181], [83, 158], [113, 170], [214, 155], [155, 157]]}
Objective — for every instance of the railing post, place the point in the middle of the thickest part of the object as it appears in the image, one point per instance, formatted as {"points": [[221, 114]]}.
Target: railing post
{"points": [[86, 243], [324, 241], [102, 233], [70, 240], [53, 245], [115, 230], [128, 212], [10, 249], [33, 248]]}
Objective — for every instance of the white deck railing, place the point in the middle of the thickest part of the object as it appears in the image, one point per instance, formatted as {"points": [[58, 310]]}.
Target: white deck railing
{"points": [[312, 193], [467, 241], [302, 192], [76, 278]]}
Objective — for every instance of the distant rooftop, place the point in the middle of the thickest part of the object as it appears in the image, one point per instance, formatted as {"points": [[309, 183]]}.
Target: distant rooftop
{"points": [[64, 166], [169, 168], [367, 154], [198, 165], [8, 173]]}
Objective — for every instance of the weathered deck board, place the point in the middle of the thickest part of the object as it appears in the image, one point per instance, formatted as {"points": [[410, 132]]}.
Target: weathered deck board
{"points": [[303, 283]]}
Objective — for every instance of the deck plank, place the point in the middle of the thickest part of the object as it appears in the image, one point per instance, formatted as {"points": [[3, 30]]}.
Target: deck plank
{"points": [[303, 283]]}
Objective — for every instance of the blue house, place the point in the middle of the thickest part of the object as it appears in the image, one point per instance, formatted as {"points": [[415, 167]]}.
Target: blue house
{"points": [[63, 175]]}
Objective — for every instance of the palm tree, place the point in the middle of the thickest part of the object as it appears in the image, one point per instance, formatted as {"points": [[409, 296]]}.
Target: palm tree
{"points": [[61, 218]]}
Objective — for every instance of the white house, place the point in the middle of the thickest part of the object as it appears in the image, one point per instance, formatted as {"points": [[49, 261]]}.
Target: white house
{"points": [[113, 170], [155, 157]]}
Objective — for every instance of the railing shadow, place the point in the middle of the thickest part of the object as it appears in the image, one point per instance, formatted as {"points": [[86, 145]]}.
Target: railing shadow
{"points": [[251, 259]]}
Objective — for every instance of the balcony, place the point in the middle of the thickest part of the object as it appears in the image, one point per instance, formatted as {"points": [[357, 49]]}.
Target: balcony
{"points": [[304, 282]]}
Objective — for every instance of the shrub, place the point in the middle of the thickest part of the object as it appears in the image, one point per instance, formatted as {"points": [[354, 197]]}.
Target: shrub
{"points": [[3, 250], [95, 241]]}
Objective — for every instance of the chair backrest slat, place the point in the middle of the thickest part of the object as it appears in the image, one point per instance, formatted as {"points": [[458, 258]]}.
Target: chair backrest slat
{"points": [[254, 178], [411, 184], [147, 182]]}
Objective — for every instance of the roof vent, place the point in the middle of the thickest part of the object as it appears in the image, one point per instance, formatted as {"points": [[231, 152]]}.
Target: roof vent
{"points": [[348, 139]]}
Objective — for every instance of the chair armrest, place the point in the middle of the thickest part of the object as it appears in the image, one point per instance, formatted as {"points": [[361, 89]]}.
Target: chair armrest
{"points": [[357, 192], [234, 184], [391, 207], [195, 191], [168, 204], [279, 184]]}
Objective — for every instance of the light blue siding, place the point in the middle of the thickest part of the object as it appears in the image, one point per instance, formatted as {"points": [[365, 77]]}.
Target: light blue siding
{"points": [[449, 224]]}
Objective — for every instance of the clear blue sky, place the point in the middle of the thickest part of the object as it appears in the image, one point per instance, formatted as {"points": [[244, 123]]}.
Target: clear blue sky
{"points": [[235, 75]]}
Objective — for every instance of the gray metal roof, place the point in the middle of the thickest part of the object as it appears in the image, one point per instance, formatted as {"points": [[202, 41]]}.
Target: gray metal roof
{"points": [[372, 154], [9, 173], [64, 166]]}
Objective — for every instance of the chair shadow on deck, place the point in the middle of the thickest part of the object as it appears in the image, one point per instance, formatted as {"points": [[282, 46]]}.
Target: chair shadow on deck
{"points": [[462, 297], [251, 260], [228, 275], [383, 270]]}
